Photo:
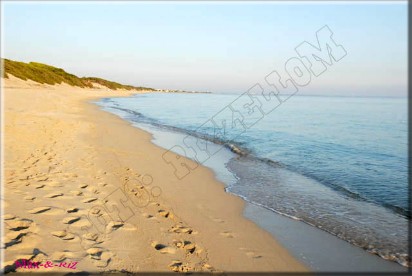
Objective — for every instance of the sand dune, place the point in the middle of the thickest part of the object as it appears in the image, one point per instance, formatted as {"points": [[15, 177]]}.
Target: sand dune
{"points": [[82, 186]]}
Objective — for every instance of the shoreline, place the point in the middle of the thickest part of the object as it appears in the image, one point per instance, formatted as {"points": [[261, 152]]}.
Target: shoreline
{"points": [[178, 229], [306, 241]]}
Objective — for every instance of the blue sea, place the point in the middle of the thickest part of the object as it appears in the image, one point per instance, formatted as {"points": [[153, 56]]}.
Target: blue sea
{"points": [[337, 163]]}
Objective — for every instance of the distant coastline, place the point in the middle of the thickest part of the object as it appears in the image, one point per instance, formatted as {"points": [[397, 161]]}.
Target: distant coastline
{"points": [[181, 91]]}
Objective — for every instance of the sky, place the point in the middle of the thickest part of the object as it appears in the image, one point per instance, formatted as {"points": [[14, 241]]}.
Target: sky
{"points": [[208, 46]]}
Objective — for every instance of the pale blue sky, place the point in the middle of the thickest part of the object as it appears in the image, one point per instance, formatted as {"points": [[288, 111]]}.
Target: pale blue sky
{"points": [[222, 47]]}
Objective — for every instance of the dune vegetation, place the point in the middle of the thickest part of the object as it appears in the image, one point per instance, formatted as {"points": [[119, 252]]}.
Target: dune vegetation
{"points": [[46, 74]]}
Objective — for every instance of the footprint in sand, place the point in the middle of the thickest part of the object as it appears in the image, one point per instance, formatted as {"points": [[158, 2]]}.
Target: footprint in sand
{"points": [[39, 210], [60, 256], [72, 210], [19, 192], [9, 217], [105, 260], [95, 211], [165, 214], [41, 179], [10, 181], [70, 220], [64, 235], [100, 258], [250, 253], [102, 184], [88, 200], [92, 239], [18, 225], [207, 267], [33, 163], [148, 216], [90, 236], [181, 229], [55, 184], [113, 225], [227, 234], [29, 198], [76, 193], [95, 191], [53, 195], [178, 266], [13, 238], [164, 249], [95, 252], [188, 246]]}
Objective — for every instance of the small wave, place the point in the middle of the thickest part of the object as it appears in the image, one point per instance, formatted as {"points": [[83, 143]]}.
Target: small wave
{"points": [[236, 149], [402, 259]]}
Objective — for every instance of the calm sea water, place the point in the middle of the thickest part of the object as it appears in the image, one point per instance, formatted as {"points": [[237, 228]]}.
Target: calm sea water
{"points": [[337, 163]]}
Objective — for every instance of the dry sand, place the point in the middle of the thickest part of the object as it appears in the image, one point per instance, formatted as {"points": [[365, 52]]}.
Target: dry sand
{"points": [[82, 185]]}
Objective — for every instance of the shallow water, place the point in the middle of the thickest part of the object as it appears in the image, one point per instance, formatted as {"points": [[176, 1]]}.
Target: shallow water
{"points": [[336, 163]]}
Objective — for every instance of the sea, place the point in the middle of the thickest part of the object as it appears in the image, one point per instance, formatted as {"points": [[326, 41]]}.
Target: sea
{"points": [[337, 163]]}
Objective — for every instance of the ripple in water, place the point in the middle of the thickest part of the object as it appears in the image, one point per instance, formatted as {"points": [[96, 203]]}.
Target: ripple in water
{"points": [[364, 224]]}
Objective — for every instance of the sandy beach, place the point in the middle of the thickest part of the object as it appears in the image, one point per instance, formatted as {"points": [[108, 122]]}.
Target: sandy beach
{"points": [[85, 188]]}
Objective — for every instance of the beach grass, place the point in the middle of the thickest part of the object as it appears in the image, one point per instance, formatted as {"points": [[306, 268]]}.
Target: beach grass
{"points": [[46, 74], [113, 85]]}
